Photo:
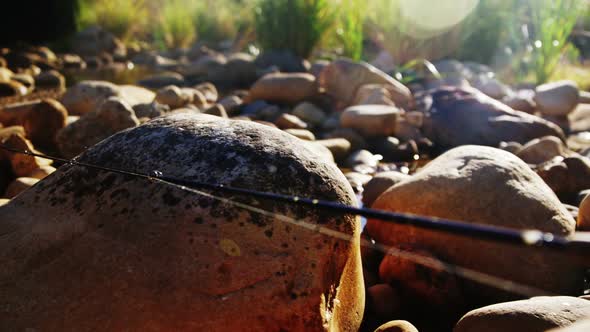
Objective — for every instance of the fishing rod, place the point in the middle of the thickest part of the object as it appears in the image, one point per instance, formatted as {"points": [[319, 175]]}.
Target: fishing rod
{"points": [[485, 232]]}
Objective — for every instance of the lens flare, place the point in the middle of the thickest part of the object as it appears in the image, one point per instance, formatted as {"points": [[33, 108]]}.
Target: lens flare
{"points": [[429, 18]]}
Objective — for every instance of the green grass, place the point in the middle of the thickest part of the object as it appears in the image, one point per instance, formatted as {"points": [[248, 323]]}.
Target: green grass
{"points": [[123, 18], [350, 28], [176, 26], [295, 25], [552, 22], [218, 20]]}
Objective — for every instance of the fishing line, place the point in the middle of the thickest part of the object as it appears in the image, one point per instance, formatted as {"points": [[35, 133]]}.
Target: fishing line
{"points": [[485, 232], [431, 262]]}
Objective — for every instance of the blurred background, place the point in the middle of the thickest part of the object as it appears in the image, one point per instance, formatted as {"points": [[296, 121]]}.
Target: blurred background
{"points": [[522, 40]]}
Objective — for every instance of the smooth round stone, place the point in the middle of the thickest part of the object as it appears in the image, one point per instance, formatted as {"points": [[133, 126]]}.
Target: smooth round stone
{"points": [[371, 120], [537, 314], [557, 98]]}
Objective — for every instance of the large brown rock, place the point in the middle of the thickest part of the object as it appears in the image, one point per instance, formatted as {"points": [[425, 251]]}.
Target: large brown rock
{"points": [[482, 185], [537, 314], [121, 253], [466, 116], [342, 78]]}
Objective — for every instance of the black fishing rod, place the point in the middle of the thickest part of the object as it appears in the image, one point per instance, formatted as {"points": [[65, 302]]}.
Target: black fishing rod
{"points": [[485, 232]]}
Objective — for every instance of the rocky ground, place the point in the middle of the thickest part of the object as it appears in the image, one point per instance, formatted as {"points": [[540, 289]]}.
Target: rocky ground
{"points": [[85, 249]]}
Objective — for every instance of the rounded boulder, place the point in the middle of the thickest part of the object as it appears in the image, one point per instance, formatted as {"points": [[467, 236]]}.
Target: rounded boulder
{"points": [[124, 253], [482, 185]]}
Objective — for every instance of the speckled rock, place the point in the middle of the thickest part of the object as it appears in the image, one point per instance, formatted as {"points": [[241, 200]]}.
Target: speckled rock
{"points": [[342, 78], [135, 248], [86, 96], [537, 314], [397, 326], [112, 116], [44, 121], [483, 185], [467, 116], [286, 88], [380, 183], [557, 98]]}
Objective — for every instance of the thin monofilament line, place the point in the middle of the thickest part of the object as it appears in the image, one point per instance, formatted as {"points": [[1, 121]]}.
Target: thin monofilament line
{"points": [[433, 263], [485, 232]]}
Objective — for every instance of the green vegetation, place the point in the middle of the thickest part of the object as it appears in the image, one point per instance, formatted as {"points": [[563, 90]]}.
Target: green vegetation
{"points": [[349, 29], [177, 26], [218, 20], [552, 22], [124, 18], [522, 39], [295, 25]]}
